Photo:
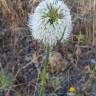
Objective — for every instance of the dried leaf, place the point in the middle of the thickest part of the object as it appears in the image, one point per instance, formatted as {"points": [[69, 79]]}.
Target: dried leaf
{"points": [[56, 62]]}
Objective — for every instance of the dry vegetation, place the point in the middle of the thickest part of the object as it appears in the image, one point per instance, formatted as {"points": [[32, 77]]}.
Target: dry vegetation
{"points": [[22, 58]]}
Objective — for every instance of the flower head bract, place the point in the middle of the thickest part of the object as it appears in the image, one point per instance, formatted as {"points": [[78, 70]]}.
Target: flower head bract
{"points": [[49, 21]]}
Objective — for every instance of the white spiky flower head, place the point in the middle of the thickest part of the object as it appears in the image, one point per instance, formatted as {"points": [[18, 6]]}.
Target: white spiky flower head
{"points": [[50, 20]]}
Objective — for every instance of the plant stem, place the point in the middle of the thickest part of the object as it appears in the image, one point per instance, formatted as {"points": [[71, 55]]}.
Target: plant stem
{"points": [[44, 74]]}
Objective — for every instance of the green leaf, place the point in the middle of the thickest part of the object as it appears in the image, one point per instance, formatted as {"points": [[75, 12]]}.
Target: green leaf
{"points": [[62, 34]]}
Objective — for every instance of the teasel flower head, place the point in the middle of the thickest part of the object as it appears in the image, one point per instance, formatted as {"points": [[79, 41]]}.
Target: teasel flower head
{"points": [[50, 22]]}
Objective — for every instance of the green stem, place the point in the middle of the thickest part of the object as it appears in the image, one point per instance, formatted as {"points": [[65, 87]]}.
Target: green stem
{"points": [[47, 57], [44, 74]]}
